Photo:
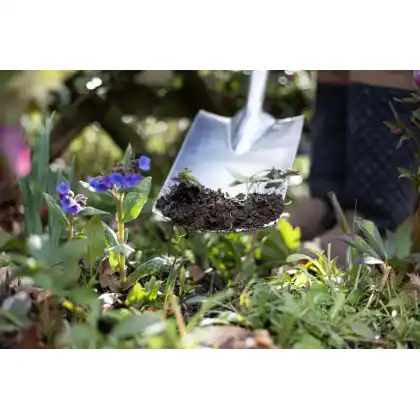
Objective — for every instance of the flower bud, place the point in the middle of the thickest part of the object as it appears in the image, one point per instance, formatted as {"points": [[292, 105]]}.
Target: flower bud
{"points": [[397, 131], [80, 199]]}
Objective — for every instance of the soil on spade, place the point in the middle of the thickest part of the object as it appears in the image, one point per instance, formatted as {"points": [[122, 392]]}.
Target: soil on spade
{"points": [[199, 208]]}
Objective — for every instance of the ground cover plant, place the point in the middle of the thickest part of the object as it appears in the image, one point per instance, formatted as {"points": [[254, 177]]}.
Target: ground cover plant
{"points": [[101, 276]]}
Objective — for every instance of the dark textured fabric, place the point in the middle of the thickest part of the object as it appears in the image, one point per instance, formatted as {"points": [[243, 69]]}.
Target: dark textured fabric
{"points": [[328, 141], [373, 186]]}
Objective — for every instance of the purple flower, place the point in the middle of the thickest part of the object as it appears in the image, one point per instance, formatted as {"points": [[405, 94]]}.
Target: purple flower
{"points": [[70, 205], [107, 181], [117, 179], [65, 200], [100, 184], [63, 188], [131, 180], [68, 202], [144, 163], [416, 77]]}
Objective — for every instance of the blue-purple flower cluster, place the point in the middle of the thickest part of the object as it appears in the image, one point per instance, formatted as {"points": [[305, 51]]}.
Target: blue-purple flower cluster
{"points": [[102, 184], [70, 203]]}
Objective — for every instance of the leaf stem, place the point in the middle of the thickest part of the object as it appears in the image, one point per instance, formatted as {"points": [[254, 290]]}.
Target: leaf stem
{"points": [[119, 198], [180, 321], [70, 227]]}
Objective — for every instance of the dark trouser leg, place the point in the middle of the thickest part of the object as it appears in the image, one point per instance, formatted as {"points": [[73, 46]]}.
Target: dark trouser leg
{"points": [[373, 186], [328, 141]]}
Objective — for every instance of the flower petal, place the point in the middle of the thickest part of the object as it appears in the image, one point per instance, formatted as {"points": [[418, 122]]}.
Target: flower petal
{"points": [[99, 184], [117, 179], [63, 188], [131, 180], [70, 205], [144, 163], [107, 181]]}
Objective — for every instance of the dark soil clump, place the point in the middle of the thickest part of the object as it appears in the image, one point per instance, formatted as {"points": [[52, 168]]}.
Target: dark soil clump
{"points": [[199, 208]]}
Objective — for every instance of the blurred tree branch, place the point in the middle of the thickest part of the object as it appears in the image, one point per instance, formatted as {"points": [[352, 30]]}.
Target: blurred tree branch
{"points": [[126, 97]]}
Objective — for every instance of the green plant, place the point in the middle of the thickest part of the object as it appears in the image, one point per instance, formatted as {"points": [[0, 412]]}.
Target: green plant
{"points": [[100, 276]]}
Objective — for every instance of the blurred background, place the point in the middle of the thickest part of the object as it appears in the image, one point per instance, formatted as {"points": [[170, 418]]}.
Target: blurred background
{"points": [[98, 113]]}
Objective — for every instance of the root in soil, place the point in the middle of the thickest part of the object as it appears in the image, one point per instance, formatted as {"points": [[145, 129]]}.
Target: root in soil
{"points": [[199, 208]]}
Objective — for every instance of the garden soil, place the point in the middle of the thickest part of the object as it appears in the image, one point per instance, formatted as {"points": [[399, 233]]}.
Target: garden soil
{"points": [[198, 208]]}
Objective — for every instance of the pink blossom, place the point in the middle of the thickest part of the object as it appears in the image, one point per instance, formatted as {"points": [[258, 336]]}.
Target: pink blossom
{"points": [[15, 150]]}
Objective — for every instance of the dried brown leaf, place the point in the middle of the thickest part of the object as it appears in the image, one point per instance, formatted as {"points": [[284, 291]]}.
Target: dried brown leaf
{"points": [[30, 338], [414, 280], [411, 291], [231, 337], [5, 279], [107, 277], [196, 272]]}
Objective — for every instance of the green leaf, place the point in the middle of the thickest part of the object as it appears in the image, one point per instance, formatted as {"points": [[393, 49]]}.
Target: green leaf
{"points": [[390, 125], [74, 249], [91, 211], [82, 296], [72, 171], [136, 296], [373, 237], [363, 331], [125, 249], [55, 227], [55, 209], [41, 156], [148, 268], [297, 257], [95, 236], [291, 304], [369, 260], [207, 305], [152, 289], [290, 234], [128, 155], [110, 236], [113, 260], [339, 301], [4, 238], [360, 245], [394, 112], [308, 341], [81, 336], [136, 324], [399, 243], [405, 173], [135, 200]]}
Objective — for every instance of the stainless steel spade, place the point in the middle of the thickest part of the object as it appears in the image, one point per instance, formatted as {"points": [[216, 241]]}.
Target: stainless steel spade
{"points": [[250, 142]]}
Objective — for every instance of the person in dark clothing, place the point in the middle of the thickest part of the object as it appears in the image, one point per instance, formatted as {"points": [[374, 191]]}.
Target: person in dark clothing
{"points": [[354, 155]]}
